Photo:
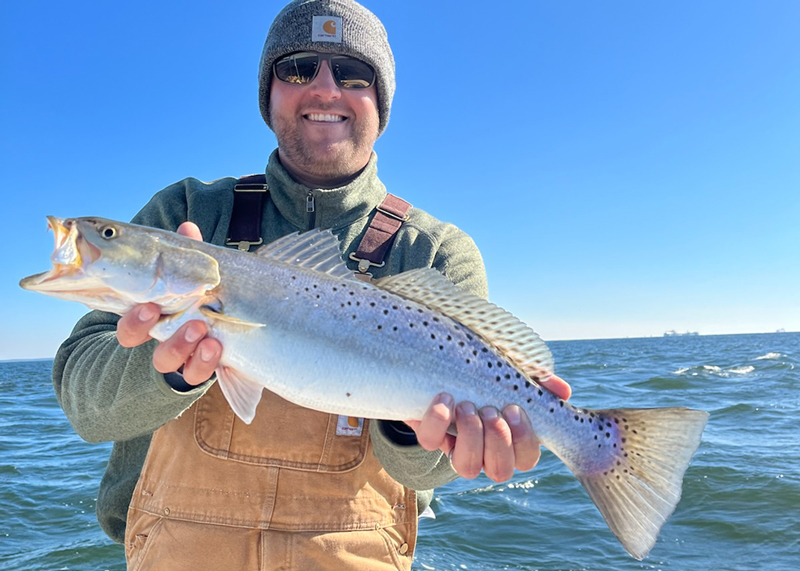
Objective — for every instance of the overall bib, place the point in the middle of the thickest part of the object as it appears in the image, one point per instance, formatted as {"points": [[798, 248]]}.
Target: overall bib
{"points": [[286, 492]]}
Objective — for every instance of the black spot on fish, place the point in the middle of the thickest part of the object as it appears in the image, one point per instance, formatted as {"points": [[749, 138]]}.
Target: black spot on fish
{"points": [[499, 364], [608, 435], [497, 378], [485, 350], [552, 410], [380, 326], [433, 336], [425, 323], [540, 392], [487, 364], [516, 387]]}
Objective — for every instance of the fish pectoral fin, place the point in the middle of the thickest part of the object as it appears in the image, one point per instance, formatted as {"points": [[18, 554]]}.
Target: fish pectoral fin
{"points": [[218, 317], [241, 392]]}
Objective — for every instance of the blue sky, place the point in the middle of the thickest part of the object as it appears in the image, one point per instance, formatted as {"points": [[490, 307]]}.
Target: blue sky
{"points": [[626, 168]]}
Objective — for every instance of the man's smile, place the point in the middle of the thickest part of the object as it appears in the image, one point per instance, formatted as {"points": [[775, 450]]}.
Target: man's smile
{"points": [[324, 118]]}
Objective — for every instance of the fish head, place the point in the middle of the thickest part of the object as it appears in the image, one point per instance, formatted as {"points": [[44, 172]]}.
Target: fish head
{"points": [[113, 266]]}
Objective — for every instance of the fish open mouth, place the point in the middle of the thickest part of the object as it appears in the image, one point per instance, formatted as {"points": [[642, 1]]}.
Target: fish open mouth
{"points": [[71, 255]]}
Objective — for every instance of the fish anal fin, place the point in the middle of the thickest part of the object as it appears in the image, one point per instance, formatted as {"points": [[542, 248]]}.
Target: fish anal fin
{"points": [[495, 325], [242, 393]]}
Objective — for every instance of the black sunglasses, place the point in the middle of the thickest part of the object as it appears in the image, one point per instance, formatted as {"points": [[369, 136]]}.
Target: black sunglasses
{"points": [[302, 67]]}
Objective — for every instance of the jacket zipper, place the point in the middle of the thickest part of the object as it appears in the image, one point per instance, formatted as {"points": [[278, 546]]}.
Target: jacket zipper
{"points": [[312, 215]]}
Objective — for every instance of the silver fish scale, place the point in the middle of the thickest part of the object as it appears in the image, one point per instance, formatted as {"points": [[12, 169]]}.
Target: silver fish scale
{"points": [[476, 370]]}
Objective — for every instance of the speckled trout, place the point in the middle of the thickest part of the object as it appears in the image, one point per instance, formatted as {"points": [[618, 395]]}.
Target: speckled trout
{"points": [[293, 319]]}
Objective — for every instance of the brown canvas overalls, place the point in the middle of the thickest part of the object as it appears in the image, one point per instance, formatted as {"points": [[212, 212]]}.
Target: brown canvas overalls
{"points": [[284, 493]]}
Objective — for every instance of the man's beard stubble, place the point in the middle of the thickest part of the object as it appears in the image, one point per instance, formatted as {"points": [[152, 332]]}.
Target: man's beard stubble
{"points": [[338, 160]]}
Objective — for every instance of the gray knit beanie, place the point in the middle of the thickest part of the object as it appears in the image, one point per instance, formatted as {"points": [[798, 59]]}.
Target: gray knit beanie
{"points": [[338, 26]]}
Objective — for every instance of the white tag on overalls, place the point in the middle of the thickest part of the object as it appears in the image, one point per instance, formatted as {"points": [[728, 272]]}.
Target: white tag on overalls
{"points": [[349, 426], [326, 29]]}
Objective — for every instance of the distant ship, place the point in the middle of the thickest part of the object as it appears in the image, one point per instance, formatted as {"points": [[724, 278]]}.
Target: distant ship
{"points": [[673, 333]]}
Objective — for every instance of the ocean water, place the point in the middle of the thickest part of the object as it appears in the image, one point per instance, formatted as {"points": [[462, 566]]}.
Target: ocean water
{"points": [[741, 497]]}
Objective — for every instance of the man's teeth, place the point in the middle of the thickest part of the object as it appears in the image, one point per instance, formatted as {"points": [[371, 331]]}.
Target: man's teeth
{"points": [[325, 117]]}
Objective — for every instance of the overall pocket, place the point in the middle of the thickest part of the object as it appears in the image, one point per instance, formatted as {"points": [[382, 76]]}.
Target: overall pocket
{"points": [[282, 435]]}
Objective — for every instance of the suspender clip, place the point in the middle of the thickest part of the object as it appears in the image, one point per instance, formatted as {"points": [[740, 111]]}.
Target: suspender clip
{"points": [[244, 245], [364, 264]]}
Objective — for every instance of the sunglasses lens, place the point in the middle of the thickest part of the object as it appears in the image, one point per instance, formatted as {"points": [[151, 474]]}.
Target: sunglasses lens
{"points": [[351, 73], [297, 68]]}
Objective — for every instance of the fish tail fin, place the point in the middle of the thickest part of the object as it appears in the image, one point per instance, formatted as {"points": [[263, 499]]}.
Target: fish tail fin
{"points": [[638, 485]]}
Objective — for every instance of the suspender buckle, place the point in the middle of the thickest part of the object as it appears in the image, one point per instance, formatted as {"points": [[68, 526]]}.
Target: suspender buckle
{"points": [[244, 245], [391, 214], [364, 264]]}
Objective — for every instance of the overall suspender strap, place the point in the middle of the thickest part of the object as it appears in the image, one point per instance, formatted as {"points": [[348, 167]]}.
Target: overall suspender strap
{"points": [[390, 216], [248, 204], [251, 191]]}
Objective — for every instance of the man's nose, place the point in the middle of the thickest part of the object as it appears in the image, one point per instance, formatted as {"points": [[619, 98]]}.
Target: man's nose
{"points": [[324, 86]]}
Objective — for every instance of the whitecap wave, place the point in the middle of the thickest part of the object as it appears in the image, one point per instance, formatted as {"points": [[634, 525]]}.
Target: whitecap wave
{"points": [[769, 356], [742, 370]]}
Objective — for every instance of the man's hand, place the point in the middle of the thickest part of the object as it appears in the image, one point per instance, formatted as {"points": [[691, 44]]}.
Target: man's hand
{"points": [[487, 440], [188, 347]]}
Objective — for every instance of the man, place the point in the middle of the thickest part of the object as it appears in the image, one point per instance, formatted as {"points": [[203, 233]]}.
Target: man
{"points": [[190, 486]]}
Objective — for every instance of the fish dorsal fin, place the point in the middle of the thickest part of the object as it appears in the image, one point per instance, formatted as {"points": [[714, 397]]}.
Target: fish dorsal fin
{"points": [[316, 250], [493, 324]]}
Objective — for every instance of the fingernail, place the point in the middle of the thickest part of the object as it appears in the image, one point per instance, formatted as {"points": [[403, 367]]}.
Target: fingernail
{"points": [[192, 334], [146, 313], [512, 415], [489, 412], [206, 353], [467, 408], [445, 399]]}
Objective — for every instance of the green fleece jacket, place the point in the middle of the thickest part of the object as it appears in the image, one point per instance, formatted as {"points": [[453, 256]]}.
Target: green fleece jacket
{"points": [[111, 393]]}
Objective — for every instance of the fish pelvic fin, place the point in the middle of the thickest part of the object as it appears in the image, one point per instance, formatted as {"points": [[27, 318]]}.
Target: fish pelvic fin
{"points": [[639, 488], [242, 393]]}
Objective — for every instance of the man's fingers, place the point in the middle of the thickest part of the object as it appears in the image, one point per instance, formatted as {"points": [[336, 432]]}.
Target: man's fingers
{"points": [[432, 430], [558, 387], [202, 363], [467, 454], [170, 355], [526, 446], [133, 328], [190, 230], [498, 449]]}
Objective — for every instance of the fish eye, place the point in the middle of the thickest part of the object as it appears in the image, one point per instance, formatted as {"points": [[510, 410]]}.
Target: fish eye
{"points": [[108, 232]]}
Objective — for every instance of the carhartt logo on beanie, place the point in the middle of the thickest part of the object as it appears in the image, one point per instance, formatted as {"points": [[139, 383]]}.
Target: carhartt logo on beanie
{"points": [[338, 26]]}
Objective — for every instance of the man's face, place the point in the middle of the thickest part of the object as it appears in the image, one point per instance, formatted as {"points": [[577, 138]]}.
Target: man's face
{"points": [[325, 133]]}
